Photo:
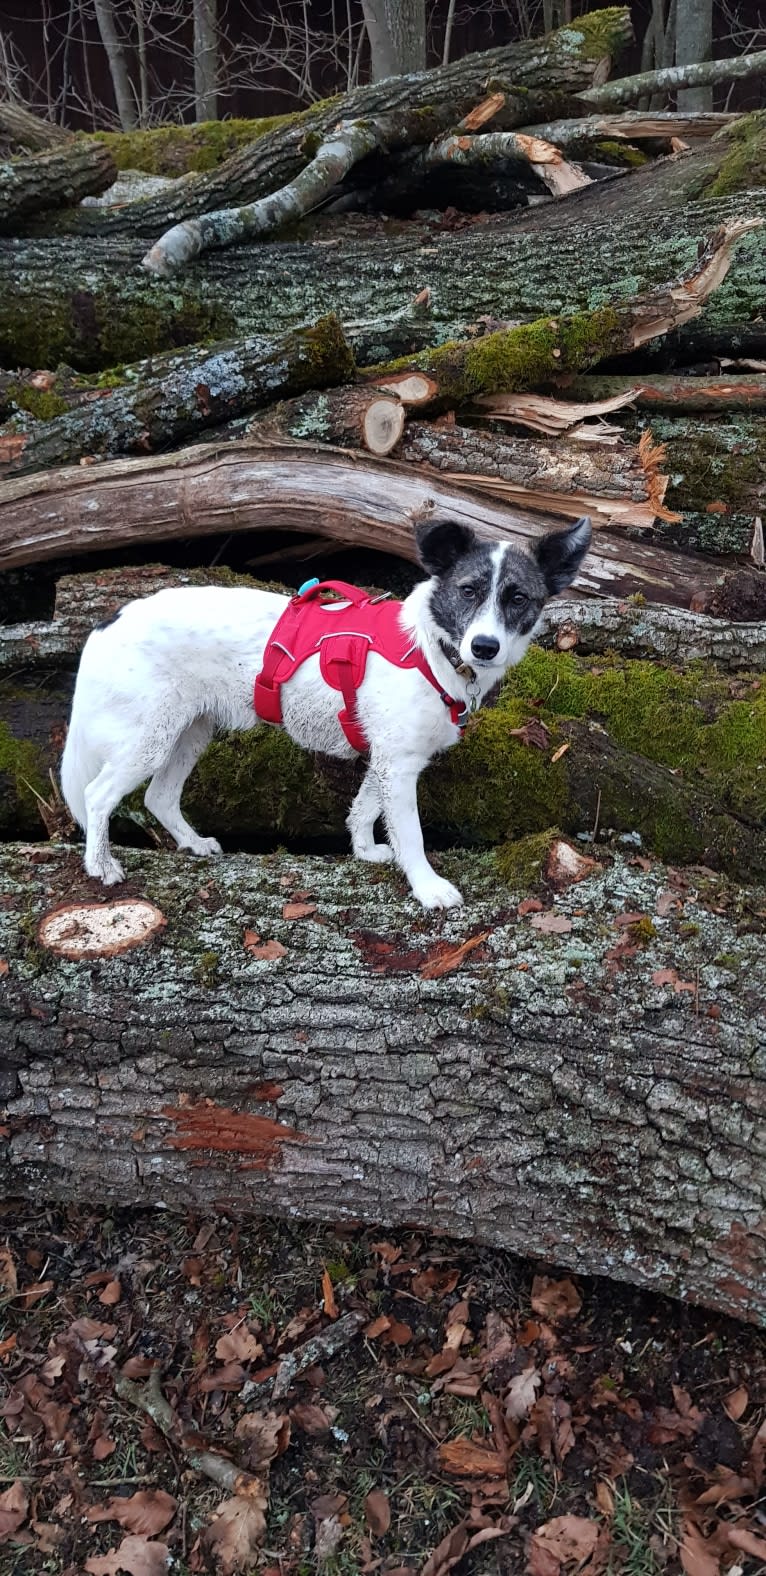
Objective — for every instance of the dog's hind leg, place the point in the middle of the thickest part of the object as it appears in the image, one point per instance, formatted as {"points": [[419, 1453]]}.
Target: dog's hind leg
{"points": [[163, 796], [364, 812], [102, 796]]}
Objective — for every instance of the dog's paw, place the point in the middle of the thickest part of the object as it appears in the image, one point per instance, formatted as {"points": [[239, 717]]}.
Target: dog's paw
{"points": [[375, 854], [437, 893], [202, 846], [109, 873]]}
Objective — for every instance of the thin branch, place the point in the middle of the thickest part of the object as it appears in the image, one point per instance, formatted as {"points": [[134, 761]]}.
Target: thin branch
{"points": [[628, 90]]}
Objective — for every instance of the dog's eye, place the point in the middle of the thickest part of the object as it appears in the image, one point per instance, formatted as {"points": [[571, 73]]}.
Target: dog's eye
{"points": [[518, 599], [469, 592]]}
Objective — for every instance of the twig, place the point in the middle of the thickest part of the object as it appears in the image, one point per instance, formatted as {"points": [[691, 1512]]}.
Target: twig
{"points": [[323, 1345], [211, 1463]]}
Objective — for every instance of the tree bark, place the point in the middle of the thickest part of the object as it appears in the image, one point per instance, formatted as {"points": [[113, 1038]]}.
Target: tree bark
{"points": [[717, 466], [25, 130], [675, 392], [671, 79], [694, 43], [116, 1085], [616, 484], [118, 63], [197, 390], [87, 303], [244, 486], [354, 418], [396, 30], [633, 126], [205, 59], [56, 179], [552, 68]]}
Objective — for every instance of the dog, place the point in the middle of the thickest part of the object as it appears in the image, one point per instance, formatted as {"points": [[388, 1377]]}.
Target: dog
{"points": [[170, 670]]}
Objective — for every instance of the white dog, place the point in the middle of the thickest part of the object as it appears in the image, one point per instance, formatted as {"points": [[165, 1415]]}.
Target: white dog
{"points": [[157, 682]]}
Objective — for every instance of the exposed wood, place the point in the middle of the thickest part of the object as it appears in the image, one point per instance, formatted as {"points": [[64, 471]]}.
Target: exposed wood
{"points": [[633, 126], [554, 416], [552, 68], [198, 389], [242, 486], [628, 90], [410, 388], [617, 485], [357, 418], [103, 1098], [712, 396], [53, 179], [499, 148]]}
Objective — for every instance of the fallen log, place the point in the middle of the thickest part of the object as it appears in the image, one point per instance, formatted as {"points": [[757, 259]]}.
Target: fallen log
{"points": [[245, 486], [58, 179], [353, 418], [22, 129], [630, 90], [115, 1084], [616, 484], [673, 392], [717, 468], [633, 126], [531, 70], [193, 391]]}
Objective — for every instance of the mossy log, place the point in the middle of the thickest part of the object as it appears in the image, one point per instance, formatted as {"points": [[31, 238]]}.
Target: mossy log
{"points": [[87, 303], [552, 68], [59, 178], [614, 483], [677, 756], [353, 418], [592, 1097], [244, 485], [675, 393], [195, 390], [717, 470]]}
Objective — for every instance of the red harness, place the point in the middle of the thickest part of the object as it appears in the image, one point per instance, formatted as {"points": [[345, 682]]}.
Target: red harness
{"points": [[343, 632]]}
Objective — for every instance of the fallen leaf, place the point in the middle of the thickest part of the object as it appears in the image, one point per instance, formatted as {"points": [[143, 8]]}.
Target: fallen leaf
{"points": [[736, 1403], [459, 1542], [9, 1284], [328, 1296], [14, 1504], [522, 1394], [555, 1299], [564, 1541], [328, 1538], [311, 1419], [748, 1542], [49, 1536], [434, 1283], [264, 950], [664, 977], [551, 924], [378, 1327], [378, 1512], [464, 1458], [134, 1557], [604, 1499], [298, 910], [565, 866], [529, 905], [450, 958], [533, 733], [668, 902], [265, 1435], [398, 1333], [111, 1294], [4, 966], [235, 1533], [698, 1557], [327, 1505], [147, 1512], [238, 1345], [562, 750]]}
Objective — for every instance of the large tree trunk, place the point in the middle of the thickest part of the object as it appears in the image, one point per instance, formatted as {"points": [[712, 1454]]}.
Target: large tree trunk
{"points": [[396, 30], [53, 179], [551, 69], [694, 42], [118, 63], [248, 486], [564, 1096], [86, 303], [205, 60]]}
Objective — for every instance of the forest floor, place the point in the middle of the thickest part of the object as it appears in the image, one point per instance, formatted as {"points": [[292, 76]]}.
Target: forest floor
{"points": [[593, 1427]]}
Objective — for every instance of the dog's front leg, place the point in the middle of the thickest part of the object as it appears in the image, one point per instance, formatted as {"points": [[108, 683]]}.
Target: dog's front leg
{"points": [[398, 788], [361, 820]]}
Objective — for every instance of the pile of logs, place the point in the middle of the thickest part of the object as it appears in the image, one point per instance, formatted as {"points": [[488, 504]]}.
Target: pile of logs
{"points": [[501, 291]]}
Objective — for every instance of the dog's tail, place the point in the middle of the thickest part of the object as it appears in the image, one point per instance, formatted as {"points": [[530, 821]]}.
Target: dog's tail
{"points": [[77, 770]]}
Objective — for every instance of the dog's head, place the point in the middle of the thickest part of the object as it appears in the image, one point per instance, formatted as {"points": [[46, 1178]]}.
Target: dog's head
{"points": [[486, 597]]}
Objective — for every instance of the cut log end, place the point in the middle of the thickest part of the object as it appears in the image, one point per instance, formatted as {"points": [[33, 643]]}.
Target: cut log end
{"points": [[383, 425], [412, 388], [77, 931]]}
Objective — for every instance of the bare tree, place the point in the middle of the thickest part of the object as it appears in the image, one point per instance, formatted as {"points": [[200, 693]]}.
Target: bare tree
{"points": [[118, 63], [205, 60], [694, 42], [397, 33]]}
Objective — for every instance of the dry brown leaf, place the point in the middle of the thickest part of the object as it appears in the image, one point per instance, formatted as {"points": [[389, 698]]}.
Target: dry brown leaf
{"points": [[265, 1435], [235, 1533], [565, 1541], [555, 1299], [532, 733], [551, 924], [378, 1327], [735, 1403], [450, 958], [605, 1499], [459, 1542], [9, 1284], [522, 1394], [398, 1333], [329, 1537], [434, 1283], [267, 951], [111, 1294], [328, 1296], [238, 1345], [464, 1458], [298, 910], [134, 1557], [698, 1556], [147, 1512], [312, 1419], [377, 1512], [14, 1504], [748, 1542]]}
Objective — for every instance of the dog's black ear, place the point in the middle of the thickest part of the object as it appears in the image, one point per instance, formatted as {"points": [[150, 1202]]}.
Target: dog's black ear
{"points": [[561, 553], [440, 543]]}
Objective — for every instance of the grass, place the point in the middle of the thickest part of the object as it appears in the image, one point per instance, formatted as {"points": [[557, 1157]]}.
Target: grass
{"points": [[639, 1529]]}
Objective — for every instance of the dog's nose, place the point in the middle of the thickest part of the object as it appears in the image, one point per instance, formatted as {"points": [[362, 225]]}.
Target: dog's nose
{"points": [[485, 647]]}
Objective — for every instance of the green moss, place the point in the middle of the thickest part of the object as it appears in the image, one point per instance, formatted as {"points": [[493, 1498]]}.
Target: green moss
{"points": [[598, 34], [43, 404], [744, 164], [137, 318], [207, 969], [521, 863], [22, 775], [620, 153], [182, 150]]}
